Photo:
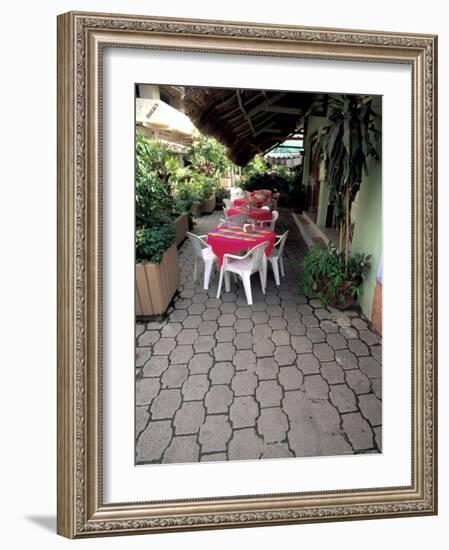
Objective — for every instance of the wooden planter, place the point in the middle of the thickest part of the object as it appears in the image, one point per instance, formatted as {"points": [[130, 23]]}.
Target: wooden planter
{"points": [[156, 284], [181, 228], [209, 205], [196, 209]]}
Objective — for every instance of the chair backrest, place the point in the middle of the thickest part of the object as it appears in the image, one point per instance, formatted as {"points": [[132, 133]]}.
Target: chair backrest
{"points": [[225, 214], [237, 193], [256, 255], [197, 245], [274, 217], [281, 243], [237, 219], [227, 203]]}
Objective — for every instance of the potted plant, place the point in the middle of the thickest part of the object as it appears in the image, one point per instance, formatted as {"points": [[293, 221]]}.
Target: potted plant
{"points": [[328, 276], [208, 195], [157, 270]]}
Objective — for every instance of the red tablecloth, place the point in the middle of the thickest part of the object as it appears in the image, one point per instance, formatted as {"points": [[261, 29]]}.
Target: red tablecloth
{"points": [[242, 202], [266, 192], [254, 213], [231, 238]]}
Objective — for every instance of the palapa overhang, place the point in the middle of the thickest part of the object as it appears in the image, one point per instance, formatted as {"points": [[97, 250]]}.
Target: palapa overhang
{"points": [[246, 121]]}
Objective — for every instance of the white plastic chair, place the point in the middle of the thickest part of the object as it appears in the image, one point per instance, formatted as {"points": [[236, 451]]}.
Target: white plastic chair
{"points": [[202, 251], [237, 193], [269, 224], [237, 219], [244, 266], [227, 203], [276, 257], [225, 212]]}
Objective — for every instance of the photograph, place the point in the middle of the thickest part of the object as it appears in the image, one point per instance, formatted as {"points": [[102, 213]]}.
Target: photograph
{"points": [[258, 251]]}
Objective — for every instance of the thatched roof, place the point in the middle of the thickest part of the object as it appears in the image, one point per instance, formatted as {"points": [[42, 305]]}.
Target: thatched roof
{"points": [[247, 122]]}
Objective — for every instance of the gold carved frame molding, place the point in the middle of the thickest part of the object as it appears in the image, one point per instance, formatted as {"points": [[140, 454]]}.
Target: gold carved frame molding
{"points": [[81, 39]]}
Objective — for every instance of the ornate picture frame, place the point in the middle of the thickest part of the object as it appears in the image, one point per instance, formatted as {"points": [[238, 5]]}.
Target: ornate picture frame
{"points": [[82, 38]]}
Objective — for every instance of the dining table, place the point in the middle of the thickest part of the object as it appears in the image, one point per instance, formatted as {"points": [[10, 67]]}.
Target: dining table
{"points": [[254, 213], [250, 201], [229, 239]]}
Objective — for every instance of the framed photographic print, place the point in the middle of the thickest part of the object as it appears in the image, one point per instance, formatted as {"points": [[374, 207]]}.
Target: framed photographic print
{"points": [[247, 274]]}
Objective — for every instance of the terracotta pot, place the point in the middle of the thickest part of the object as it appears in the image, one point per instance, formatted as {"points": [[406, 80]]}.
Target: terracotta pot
{"points": [[196, 209], [156, 284], [209, 205]]}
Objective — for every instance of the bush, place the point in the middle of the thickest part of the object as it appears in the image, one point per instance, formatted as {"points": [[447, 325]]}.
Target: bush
{"points": [[152, 242], [326, 276]]}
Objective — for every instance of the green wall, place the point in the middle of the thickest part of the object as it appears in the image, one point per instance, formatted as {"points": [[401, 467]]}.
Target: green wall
{"points": [[367, 237]]}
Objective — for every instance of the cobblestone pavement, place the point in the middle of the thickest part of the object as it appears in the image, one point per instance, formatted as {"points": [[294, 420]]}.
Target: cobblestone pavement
{"points": [[218, 380]]}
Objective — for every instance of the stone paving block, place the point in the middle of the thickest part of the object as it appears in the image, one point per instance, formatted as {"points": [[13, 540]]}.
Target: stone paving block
{"points": [[142, 417], [329, 327], [370, 367], [305, 309], [358, 347], [316, 387], [325, 417], [358, 381], [262, 331], [225, 334], [291, 378], [146, 390], [243, 312], [273, 300], [292, 315], [376, 352], [226, 320], [243, 341], [229, 297], [343, 398], [296, 328], [187, 336], [148, 338], [174, 376], [200, 363], [342, 319], [376, 384], [371, 408], [154, 325], [369, 337], [140, 327], [244, 325], [349, 333], [323, 352], [285, 355], [378, 437], [243, 412], [215, 433], [192, 321], [308, 363], [227, 307], [301, 344], [182, 303], [189, 417], [207, 328], [269, 393], [272, 424], [153, 442], [334, 445], [277, 323], [142, 356], [165, 404], [322, 314], [275, 311], [218, 399], [244, 360], [310, 321], [164, 346], [245, 445], [155, 366], [181, 354], [316, 335], [211, 314], [276, 450], [244, 383], [358, 431], [183, 448], [259, 304], [359, 324], [266, 368], [212, 303], [213, 457], [346, 359], [263, 348], [259, 317], [195, 387], [204, 344], [199, 298], [303, 438], [332, 373], [224, 351], [222, 373], [280, 337], [336, 341], [178, 315]]}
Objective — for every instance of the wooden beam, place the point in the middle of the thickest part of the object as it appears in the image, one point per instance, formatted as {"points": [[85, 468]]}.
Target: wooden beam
{"points": [[269, 101], [284, 110], [248, 119]]}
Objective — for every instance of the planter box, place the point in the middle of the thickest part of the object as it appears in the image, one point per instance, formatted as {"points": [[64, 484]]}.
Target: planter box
{"points": [[181, 228], [209, 205], [196, 209], [156, 284]]}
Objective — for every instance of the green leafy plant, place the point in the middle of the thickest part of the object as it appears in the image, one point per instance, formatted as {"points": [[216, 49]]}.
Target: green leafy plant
{"points": [[152, 242], [345, 145], [327, 276], [208, 157], [256, 166]]}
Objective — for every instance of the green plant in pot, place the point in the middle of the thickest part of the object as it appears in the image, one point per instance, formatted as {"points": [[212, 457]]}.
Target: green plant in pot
{"points": [[333, 278]]}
